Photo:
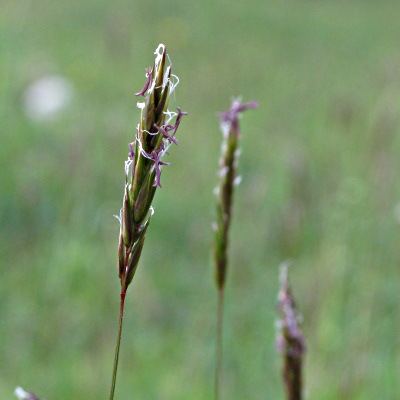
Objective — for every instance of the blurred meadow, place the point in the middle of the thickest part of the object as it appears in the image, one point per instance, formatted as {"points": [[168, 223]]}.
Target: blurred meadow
{"points": [[321, 187]]}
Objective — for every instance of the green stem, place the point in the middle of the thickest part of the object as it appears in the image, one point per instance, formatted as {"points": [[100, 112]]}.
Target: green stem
{"points": [[218, 347], [121, 316]]}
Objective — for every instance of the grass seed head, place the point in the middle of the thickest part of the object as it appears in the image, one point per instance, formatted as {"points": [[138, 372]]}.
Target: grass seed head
{"points": [[290, 340], [154, 135], [228, 180]]}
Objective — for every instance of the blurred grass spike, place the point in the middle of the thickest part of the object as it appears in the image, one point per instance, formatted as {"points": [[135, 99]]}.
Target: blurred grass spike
{"points": [[224, 193], [154, 135], [228, 180], [290, 340]]}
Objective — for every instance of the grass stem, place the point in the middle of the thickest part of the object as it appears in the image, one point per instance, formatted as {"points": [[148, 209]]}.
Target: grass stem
{"points": [[219, 341], [116, 356]]}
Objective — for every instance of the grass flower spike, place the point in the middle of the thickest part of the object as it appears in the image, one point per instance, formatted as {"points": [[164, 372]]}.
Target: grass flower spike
{"points": [[228, 180], [290, 341], [154, 135], [224, 193]]}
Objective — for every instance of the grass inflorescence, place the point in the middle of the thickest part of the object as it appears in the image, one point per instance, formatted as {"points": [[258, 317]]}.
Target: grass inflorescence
{"points": [[155, 133], [224, 195], [290, 340]]}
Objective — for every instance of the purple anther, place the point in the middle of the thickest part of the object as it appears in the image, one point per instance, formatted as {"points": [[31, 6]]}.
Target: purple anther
{"points": [[131, 153], [149, 73], [156, 156], [178, 118], [232, 115], [164, 132]]}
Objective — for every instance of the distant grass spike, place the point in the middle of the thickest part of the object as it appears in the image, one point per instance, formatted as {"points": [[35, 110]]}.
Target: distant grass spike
{"points": [[224, 194], [290, 340], [228, 180]]}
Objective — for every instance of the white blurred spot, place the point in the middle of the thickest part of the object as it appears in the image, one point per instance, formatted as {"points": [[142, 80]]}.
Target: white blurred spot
{"points": [[21, 394], [47, 96], [223, 171], [237, 181], [225, 128]]}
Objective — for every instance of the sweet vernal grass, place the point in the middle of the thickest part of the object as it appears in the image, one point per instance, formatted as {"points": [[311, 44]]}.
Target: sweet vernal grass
{"points": [[155, 133], [224, 194], [290, 340]]}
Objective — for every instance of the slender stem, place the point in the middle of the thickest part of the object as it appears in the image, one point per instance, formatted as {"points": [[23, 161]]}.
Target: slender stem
{"points": [[121, 316], [218, 347]]}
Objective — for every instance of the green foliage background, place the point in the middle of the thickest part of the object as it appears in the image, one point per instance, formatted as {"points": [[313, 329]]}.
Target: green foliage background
{"points": [[321, 186]]}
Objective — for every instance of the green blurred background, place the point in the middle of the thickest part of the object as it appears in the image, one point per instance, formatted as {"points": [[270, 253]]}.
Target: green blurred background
{"points": [[321, 187]]}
